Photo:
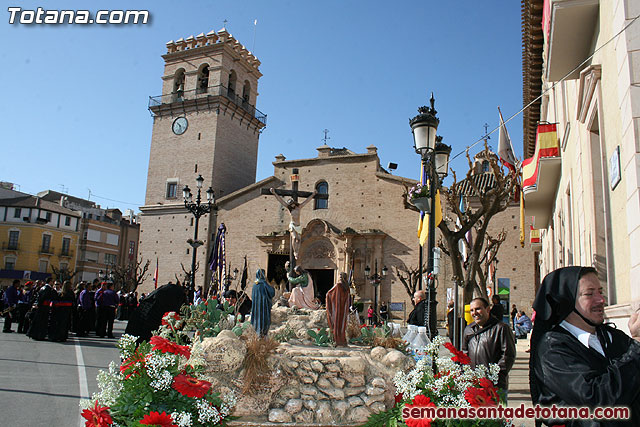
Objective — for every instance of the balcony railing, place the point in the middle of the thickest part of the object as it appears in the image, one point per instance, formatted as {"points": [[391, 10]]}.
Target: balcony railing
{"points": [[47, 250], [213, 91], [10, 246], [66, 253]]}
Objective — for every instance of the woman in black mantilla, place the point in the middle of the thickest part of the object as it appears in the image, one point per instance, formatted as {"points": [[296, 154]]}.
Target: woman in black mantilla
{"points": [[576, 359]]}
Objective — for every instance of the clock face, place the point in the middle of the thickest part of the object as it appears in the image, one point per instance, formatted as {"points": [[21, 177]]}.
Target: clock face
{"points": [[180, 125]]}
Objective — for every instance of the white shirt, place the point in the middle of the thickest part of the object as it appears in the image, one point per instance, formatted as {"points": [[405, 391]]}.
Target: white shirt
{"points": [[587, 339]]}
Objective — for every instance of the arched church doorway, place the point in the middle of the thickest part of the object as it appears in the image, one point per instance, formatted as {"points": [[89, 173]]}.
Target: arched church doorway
{"points": [[323, 280]]}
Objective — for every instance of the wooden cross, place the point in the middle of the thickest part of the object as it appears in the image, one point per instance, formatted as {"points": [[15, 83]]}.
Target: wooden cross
{"points": [[294, 193]]}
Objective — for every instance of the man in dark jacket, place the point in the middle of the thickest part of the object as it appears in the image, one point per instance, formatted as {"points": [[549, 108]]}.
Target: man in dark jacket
{"points": [[416, 317], [489, 340], [576, 359]]}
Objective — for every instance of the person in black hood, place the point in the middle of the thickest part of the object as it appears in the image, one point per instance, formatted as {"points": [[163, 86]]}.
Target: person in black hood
{"points": [[576, 359], [148, 315]]}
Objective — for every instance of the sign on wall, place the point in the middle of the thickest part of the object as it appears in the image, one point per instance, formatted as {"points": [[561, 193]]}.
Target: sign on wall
{"points": [[614, 168]]}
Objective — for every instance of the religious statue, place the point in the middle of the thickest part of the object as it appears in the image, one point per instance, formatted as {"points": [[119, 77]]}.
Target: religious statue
{"points": [[338, 309], [302, 295], [262, 296], [295, 229]]}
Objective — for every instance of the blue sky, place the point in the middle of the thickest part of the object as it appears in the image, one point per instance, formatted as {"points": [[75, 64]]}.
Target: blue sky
{"points": [[75, 96]]}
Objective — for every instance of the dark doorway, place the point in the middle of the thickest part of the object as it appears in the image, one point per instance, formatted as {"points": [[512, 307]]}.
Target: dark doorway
{"points": [[323, 280], [275, 269]]}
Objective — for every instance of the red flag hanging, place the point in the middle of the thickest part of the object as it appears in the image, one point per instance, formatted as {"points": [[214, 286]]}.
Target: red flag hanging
{"points": [[155, 276]]}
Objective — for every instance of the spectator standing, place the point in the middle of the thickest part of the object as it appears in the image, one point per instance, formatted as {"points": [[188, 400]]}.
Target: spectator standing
{"points": [[384, 312], [10, 300], [514, 312], [497, 310], [106, 304], [24, 305], [489, 340], [85, 309], [416, 317]]}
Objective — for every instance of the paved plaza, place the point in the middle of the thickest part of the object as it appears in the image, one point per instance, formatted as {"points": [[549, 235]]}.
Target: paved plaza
{"points": [[42, 382]]}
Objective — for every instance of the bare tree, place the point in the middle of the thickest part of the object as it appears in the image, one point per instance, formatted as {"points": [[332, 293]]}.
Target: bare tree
{"points": [[187, 273], [131, 275], [485, 198], [410, 279], [486, 195], [63, 274]]}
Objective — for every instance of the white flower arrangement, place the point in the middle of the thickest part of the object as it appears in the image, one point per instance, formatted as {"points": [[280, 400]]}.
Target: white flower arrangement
{"points": [[157, 382]]}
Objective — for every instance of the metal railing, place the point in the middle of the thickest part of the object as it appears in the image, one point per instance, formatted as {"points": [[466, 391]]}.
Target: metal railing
{"points": [[47, 250], [202, 93], [10, 246], [66, 253]]}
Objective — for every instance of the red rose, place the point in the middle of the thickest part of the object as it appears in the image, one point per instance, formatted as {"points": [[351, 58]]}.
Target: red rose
{"points": [[158, 419], [97, 416], [399, 397], [166, 346], [191, 387]]}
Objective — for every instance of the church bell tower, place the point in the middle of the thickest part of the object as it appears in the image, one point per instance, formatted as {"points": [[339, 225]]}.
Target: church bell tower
{"points": [[204, 123]]}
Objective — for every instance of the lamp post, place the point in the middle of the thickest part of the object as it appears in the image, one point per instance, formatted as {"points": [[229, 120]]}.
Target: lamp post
{"points": [[197, 209], [434, 156], [375, 281]]}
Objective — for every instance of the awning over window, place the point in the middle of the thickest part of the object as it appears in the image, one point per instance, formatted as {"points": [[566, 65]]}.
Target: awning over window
{"points": [[570, 29], [541, 175]]}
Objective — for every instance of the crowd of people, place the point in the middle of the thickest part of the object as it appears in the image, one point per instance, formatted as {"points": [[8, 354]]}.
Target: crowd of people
{"points": [[50, 309]]}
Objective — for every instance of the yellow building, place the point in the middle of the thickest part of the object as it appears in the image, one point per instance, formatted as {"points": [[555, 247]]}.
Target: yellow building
{"points": [[35, 237]]}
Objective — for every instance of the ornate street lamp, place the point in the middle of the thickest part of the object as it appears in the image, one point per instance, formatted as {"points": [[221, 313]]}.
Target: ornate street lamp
{"points": [[434, 156], [197, 209], [375, 281]]}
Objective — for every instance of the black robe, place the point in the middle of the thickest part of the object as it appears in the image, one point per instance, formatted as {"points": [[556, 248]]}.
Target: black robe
{"points": [[600, 383], [148, 316], [565, 372], [61, 317], [40, 323]]}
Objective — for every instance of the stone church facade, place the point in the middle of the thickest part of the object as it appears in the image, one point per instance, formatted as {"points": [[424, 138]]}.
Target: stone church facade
{"points": [[361, 221]]}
